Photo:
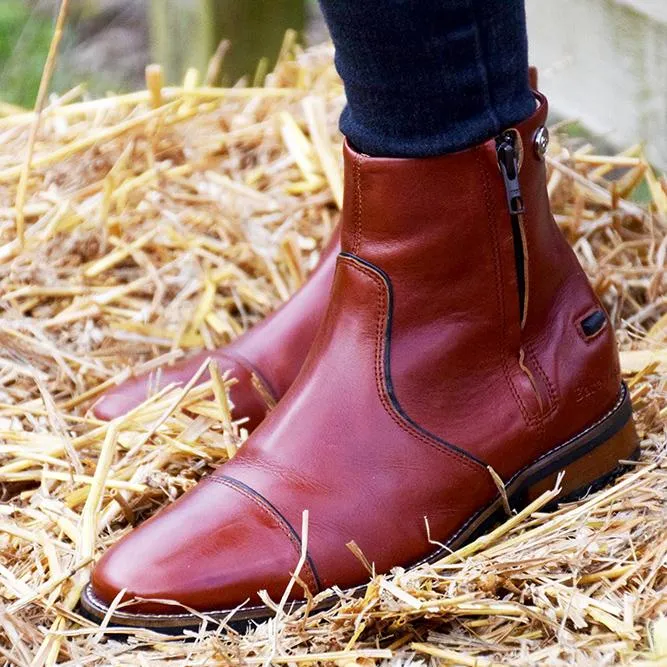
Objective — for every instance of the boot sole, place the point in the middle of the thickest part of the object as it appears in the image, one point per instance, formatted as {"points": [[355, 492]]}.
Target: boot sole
{"points": [[589, 461]]}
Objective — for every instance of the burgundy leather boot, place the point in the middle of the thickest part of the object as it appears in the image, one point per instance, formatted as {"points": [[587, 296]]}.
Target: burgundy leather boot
{"points": [[273, 350], [461, 334]]}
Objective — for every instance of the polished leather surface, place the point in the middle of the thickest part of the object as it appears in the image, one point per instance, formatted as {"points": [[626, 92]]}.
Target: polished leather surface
{"points": [[273, 350], [458, 353], [419, 378], [218, 514]]}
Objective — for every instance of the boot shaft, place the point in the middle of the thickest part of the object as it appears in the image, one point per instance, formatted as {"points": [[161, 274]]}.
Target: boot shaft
{"points": [[492, 319]]}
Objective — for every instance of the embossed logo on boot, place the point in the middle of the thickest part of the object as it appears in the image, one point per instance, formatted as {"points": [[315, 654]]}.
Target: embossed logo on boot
{"points": [[582, 394]]}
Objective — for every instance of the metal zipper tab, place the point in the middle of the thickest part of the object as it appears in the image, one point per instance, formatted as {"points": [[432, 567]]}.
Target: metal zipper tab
{"points": [[508, 160]]}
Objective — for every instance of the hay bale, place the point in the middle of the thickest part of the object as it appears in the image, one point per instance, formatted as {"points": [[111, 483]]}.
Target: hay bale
{"points": [[175, 218]]}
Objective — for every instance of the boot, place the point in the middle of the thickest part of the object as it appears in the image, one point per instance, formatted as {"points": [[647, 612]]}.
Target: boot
{"points": [[461, 335], [273, 351]]}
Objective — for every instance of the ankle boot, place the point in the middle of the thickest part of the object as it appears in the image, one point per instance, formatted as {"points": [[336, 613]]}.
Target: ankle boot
{"points": [[273, 351], [461, 335]]}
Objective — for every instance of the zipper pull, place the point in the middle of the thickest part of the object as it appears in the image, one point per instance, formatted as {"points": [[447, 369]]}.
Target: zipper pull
{"points": [[509, 168]]}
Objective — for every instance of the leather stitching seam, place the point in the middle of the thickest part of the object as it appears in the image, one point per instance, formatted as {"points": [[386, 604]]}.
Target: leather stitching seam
{"points": [[251, 369], [552, 451], [551, 391], [359, 203], [530, 420], [379, 376], [270, 511], [607, 414]]}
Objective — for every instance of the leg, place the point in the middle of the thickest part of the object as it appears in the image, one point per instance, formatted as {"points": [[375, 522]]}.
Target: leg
{"points": [[427, 77]]}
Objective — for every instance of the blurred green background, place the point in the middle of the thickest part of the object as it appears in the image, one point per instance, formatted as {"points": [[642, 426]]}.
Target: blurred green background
{"points": [[24, 42], [108, 43]]}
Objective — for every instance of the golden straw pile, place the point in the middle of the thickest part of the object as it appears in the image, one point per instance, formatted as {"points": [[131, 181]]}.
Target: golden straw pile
{"points": [[175, 218]]}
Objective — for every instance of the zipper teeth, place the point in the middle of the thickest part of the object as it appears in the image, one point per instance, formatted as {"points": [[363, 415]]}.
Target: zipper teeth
{"points": [[509, 169]]}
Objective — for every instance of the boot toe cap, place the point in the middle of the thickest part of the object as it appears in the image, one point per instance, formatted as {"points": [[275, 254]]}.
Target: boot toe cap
{"points": [[211, 550]]}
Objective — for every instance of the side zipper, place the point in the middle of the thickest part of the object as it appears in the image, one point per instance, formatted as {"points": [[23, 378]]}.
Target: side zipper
{"points": [[508, 160]]}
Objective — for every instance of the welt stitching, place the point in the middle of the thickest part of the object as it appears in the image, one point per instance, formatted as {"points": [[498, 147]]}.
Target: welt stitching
{"points": [[122, 614], [379, 380], [606, 415], [500, 292], [545, 455], [276, 518], [470, 520]]}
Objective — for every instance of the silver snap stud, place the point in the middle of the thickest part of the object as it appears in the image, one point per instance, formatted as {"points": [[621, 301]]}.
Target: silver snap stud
{"points": [[541, 142]]}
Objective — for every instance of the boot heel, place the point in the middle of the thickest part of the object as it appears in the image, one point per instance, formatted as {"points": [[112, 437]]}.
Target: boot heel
{"points": [[586, 464]]}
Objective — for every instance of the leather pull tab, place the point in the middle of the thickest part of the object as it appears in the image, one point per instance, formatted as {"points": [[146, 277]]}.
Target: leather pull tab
{"points": [[533, 77]]}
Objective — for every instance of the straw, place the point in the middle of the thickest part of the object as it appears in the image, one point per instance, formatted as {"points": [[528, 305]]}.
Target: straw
{"points": [[175, 218]]}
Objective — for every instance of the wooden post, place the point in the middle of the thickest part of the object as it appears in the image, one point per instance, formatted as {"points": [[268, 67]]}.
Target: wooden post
{"points": [[185, 33]]}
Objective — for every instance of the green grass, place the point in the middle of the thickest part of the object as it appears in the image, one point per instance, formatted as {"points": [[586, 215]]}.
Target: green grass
{"points": [[24, 43]]}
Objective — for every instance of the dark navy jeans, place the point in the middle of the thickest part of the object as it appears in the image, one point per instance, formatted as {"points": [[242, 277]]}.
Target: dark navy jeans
{"points": [[427, 77]]}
